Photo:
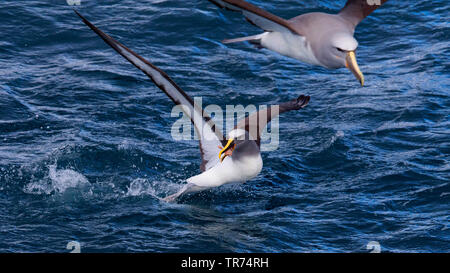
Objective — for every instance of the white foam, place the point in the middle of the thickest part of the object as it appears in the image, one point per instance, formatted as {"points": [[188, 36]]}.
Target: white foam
{"points": [[395, 125], [57, 181], [140, 186], [156, 189]]}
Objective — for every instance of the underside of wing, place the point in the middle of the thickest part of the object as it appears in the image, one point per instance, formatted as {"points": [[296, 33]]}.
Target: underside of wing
{"points": [[356, 10], [210, 137], [257, 16]]}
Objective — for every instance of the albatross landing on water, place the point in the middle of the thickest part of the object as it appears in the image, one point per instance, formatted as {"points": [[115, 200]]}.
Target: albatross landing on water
{"points": [[315, 38], [224, 160]]}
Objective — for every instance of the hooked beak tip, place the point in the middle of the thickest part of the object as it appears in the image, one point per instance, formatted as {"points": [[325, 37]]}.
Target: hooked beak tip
{"points": [[224, 152], [352, 65]]}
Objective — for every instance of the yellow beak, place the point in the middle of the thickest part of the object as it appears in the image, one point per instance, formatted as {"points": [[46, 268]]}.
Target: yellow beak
{"points": [[228, 146], [352, 65]]}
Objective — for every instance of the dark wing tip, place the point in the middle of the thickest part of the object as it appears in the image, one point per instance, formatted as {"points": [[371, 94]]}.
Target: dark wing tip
{"points": [[215, 3], [81, 16], [89, 24], [302, 101]]}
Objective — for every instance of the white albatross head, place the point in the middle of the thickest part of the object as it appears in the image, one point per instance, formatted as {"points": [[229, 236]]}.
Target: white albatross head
{"points": [[339, 51]]}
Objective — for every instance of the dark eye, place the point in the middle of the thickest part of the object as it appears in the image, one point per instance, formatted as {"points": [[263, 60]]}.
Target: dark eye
{"points": [[341, 50]]}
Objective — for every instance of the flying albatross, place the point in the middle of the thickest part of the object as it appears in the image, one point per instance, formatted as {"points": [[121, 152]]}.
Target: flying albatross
{"points": [[316, 38], [233, 159]]}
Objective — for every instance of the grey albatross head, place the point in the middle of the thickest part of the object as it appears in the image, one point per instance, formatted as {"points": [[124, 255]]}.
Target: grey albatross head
{"points": [[331, 39]]}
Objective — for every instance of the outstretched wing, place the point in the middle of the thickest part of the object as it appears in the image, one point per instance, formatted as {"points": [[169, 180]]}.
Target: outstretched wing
{"points": [[257, 16], [210, 137], [356, 10], [255, 123]]}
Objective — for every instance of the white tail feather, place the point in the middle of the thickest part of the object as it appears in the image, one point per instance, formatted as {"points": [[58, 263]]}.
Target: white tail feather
{"points": [[254, 39], [187, 188]]}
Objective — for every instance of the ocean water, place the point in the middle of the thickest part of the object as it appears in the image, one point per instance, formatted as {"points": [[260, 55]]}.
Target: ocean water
{"points": [[86, 149]]}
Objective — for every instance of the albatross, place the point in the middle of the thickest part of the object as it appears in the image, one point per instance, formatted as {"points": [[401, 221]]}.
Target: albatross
{"points": [[316, 38], [233, 159]]}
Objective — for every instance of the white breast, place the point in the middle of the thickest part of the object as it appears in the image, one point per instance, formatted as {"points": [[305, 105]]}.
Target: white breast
{"points": [[289, 45], [229, 171]]}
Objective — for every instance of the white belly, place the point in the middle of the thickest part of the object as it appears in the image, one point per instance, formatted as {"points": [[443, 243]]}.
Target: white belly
{"points": [[229, 171], [289, 45]]}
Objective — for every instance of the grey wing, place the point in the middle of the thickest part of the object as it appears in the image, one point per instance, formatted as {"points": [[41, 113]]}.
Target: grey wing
{"points": [[210, 137], [255, 123], [257, 16], [356, 10]]}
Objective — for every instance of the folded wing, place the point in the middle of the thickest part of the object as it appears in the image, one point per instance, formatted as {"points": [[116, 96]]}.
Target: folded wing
{"points": [[255, 123], [257, 16], [210, 137]]}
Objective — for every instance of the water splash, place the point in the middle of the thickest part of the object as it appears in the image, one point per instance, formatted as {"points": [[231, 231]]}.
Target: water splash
{"points": [[58, 181], [156, 189]]}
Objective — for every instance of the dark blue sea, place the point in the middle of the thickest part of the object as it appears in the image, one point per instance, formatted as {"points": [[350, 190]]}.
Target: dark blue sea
{"points": [[86, 149]]}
